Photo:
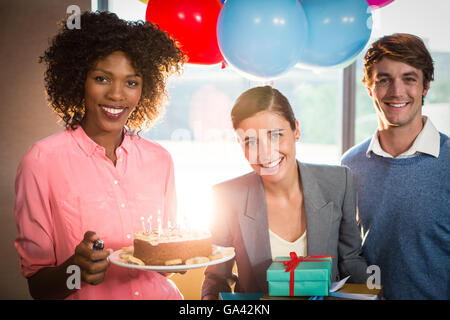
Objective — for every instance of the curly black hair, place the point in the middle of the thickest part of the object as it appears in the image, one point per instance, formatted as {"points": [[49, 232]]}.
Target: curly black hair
{"points": [[73, 52]]}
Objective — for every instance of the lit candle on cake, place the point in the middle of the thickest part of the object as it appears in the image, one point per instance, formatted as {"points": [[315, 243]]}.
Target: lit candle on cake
{"points": [[169, 228], [180, 224], [186, 225], [143, 224], [159, 223], [149, 223]]}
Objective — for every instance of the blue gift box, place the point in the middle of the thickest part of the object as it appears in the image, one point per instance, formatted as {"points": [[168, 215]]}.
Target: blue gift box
{"points": [[311, 278]]}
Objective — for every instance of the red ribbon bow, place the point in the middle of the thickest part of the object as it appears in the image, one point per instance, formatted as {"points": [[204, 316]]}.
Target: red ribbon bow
{"points": [[294, 262]]}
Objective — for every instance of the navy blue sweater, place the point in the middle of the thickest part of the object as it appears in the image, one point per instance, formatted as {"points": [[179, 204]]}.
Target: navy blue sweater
{"points": [[404, 207]]}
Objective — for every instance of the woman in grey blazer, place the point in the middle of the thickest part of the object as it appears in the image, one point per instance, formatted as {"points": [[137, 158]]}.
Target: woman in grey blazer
{"points": [[283, 205]]}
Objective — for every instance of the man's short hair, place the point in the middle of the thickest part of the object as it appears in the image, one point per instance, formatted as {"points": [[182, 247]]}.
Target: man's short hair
{"points": [[403, 47]]}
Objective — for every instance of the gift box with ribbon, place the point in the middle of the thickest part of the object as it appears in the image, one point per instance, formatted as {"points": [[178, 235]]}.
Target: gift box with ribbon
{"points": [[300, 276]]}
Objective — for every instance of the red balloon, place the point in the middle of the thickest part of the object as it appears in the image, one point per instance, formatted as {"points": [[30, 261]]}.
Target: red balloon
{"points": [[192, 23]]}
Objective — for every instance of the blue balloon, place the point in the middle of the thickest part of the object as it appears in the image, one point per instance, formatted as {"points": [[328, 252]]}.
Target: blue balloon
{"points": [[337, 32], [262, 38]]}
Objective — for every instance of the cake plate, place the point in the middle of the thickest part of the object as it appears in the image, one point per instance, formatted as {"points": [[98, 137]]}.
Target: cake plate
{"points": [[115, 259]]}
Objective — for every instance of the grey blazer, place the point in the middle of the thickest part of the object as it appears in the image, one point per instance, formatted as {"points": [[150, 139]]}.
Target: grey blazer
{"points": [[240, 221]]}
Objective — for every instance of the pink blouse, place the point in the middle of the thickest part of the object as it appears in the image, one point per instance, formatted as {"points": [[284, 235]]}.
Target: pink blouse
{"points": [[65, 186]]}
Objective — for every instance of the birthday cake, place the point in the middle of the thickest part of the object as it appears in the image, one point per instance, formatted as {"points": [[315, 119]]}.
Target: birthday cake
{"points": [[172, 247]]}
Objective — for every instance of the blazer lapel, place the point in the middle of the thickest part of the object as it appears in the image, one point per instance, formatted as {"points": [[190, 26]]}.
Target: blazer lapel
{"points": [[317, 213], [255, 230]]}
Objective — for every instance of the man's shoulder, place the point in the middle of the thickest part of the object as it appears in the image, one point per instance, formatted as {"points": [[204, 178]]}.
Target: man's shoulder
{"points": [[357, 152], [444, 148], [444, 140]]}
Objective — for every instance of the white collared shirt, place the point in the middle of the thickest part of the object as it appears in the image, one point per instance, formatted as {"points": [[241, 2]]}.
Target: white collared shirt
{"points": [[428, 141]]}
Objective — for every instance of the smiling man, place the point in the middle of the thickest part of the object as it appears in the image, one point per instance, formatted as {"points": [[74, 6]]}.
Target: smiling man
{"points": [[402, 174]]}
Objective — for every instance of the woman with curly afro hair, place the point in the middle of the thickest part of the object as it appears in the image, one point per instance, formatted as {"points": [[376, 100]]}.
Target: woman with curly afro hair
{"points": [[97, 179]]}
